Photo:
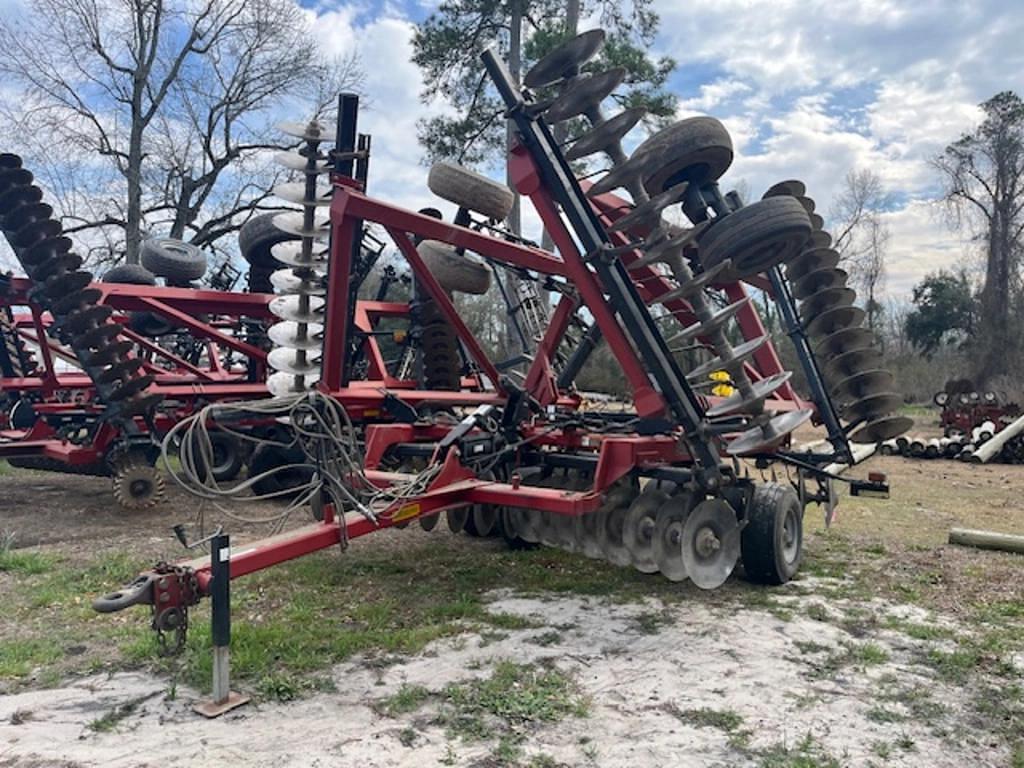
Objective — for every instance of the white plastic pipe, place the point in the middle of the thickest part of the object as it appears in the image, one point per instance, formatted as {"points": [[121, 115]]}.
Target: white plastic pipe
{"points": [[989, 450]]}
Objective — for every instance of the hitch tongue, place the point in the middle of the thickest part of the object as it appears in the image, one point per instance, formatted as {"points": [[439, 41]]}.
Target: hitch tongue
{"points": [[138, 592]]}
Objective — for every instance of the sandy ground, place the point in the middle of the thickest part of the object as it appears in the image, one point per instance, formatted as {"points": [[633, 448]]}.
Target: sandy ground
{"points": [[746, 661]]}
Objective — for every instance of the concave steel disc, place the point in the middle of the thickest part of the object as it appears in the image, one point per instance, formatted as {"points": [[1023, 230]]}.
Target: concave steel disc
{"points": [[761, 438], [711, 543], [639, 524], [606, 134], [565, 60]]}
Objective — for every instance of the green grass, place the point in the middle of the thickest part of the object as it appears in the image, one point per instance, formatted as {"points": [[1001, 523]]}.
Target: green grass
{"points": [[18, 657], [513, 697], [805, 754], [723, 719], [25, 563], [408, 699]]}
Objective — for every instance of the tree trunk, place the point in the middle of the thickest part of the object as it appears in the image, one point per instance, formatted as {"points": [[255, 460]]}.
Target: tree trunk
{"points": [[133, 178]]}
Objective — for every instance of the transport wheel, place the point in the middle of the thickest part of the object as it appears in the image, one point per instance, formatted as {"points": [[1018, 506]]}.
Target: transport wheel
{"points": [[439, 348], [757, 237], [227, 456], [269, 456], [178, 261], [144, 323], [772, 540], [256, 238], [697, 150], [455, 271], [130, 274], [470, 190]]}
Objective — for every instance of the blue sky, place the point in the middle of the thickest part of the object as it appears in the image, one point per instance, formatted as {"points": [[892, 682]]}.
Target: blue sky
{"points": [[808, 90]]}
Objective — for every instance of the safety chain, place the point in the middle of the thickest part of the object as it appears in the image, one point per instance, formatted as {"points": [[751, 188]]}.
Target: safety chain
{"points": [[174, 590]]}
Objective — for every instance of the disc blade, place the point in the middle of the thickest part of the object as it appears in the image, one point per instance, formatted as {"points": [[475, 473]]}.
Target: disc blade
{"points": [[716, 321], [882, 429], [790, 188], [696, 285], [286, 281], [292, 362], [820, 239], [296, 192], [737, 402], [807, 203], [281, 384], [293, 254], [565, 60], [762, 438], [730, 362], [650, 211], [843, 340], [584, 93], [290, 308], [811, 260], [457, 518], [293, 224], [297, 162], [864, 384], [313, 131], [610, 535], [711, 543], [667, 541], [826, 299], [835, 319], [638, 527], [819, 279], [606, 134], [854, 361], [287, 334], [873, 407]]}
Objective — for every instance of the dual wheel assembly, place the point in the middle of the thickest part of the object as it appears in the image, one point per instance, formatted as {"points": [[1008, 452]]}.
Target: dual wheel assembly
{"points": [[662, 528]]}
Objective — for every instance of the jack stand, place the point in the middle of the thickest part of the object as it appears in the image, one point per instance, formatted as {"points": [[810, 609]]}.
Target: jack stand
{"points": [[224, 699]]}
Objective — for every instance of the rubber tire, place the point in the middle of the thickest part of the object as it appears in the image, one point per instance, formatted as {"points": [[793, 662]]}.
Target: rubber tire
{"points": [[129, 274], [266, 457], [470, 190], [756, 237], [256, 238], [454, 271], [761, 541], [232, 458], [147, 324], [177, 261], [439, 346], [697, 149]]}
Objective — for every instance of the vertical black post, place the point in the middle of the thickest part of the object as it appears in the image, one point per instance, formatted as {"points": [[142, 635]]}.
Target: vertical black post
{"points": [[220, 590], [345, 137], [224, 699], [346, 165]]}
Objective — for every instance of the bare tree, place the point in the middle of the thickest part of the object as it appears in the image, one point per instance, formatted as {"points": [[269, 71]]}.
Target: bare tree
{"points": [[861, 236], [984, 175], [155, 115]]}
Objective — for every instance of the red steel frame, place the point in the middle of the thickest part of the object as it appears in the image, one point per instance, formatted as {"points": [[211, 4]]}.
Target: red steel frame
{"points": [[616, 455]]}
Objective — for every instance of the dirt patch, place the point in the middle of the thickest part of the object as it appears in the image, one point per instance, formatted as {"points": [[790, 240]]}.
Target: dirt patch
{"points": [[708, 687]]}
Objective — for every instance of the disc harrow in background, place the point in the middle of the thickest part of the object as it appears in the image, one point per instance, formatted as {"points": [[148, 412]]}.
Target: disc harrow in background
{"points": [[301, 286], [62, 286]]}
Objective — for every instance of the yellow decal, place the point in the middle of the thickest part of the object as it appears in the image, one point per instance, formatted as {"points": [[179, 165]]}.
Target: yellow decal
{"points": [[404, 513]]}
